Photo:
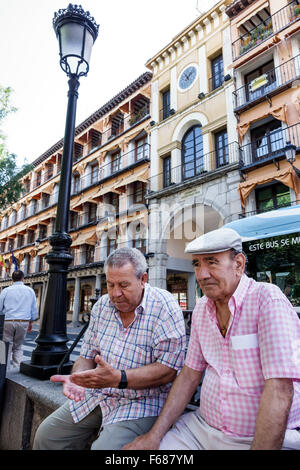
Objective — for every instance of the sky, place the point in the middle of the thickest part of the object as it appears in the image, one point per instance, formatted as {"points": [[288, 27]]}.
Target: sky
{"points": [[131, 32]]}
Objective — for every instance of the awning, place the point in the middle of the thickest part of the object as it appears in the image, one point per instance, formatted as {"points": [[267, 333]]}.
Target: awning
{"points": [[112, 188], [286, 176], [84, 198], [44, 250], [141, 175], [277, 111], [268, 224], [74, 202], [88, 238]]}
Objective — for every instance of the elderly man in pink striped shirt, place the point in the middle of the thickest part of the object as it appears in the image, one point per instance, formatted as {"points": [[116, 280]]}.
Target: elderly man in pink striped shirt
{"points": [[245, 335]]}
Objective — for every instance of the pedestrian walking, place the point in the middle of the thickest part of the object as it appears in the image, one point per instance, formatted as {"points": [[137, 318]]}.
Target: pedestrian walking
{"points": [[18, 304]]}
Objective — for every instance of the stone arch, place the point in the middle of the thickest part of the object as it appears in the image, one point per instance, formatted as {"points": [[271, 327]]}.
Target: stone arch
{"points": [[191, 119], [186, 222]]}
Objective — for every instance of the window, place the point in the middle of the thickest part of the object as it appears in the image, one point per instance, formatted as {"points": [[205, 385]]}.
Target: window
{"points": [[272, 197], [92, 212], [139, 191], [20, 241], [217, 72], [74, 218], [46, 200], [90, 252], [192, 153], [166, 103], [138, 239], [113, 200], [267, 140], [38, 178], [49, 173], [43, 232], [221, 148], [94, 174], [95, 139], [76, 183], [112, 244], [78, 151], [140, 149], [167, 171], [115, 162], [30, 236], [267, 81]]}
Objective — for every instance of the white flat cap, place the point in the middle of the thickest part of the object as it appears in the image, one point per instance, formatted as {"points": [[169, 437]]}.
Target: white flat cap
{"points": [[216, 241]]}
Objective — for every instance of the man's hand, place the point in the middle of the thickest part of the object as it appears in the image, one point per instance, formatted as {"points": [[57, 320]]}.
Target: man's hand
{"points": [[144, 442], [70, 390], [29, 329], [102, 377]]}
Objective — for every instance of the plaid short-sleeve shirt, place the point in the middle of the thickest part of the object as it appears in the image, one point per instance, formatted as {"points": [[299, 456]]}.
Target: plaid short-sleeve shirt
{"points": [[262, 342], [157, 334]]}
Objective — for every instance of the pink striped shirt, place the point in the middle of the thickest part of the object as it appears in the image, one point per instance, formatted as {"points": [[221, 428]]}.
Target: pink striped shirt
{"points": [[262, 342]]}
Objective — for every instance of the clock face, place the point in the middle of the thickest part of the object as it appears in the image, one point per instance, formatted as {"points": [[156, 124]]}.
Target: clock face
{"points": [[187, 77]]}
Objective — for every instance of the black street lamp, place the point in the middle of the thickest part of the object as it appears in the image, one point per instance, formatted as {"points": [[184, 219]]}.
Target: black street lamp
{"points": [[76, 31]]}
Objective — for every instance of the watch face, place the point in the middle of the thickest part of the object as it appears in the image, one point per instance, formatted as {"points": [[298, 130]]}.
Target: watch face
{"points": [[187, 77]]}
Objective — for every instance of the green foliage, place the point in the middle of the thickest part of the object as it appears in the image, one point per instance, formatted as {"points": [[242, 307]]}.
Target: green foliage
{"points": [[11, 186]]}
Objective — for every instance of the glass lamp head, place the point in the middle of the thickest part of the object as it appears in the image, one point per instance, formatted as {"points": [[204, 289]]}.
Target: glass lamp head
{"points": [[76, 31]]}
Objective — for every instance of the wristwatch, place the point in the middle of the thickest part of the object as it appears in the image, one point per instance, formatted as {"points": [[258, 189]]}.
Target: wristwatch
{"points": [[123, 383]]}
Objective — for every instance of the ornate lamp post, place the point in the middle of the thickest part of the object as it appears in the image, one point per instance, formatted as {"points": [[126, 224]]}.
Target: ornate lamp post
{"points": [[76, 31]]}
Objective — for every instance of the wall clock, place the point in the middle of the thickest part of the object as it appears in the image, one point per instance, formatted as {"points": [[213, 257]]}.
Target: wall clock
{"points": [[187, 77]]}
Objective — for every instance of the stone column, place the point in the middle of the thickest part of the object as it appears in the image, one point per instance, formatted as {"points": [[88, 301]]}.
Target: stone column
{"points": [[157, 276], [76, 305]]}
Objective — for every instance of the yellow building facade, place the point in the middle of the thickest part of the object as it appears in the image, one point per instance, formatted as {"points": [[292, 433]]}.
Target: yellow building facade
{"points": [[111, 162], [194, 148]]}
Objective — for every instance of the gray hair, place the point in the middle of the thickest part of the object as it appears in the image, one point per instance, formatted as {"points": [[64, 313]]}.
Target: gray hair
{"points": [[122, 256]]}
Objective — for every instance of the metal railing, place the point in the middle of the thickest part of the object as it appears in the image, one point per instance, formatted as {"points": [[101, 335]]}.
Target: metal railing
{"points": [[272, 25], [216, 81], [196, 168], [111, 168], [270, 146], [267, 82]]}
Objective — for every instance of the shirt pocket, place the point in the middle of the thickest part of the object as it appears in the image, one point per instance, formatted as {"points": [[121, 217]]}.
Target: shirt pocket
{"points": [[247, 367]]}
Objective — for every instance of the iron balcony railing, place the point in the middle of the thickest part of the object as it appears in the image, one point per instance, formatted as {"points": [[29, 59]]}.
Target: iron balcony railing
{"points": [[166, 112], [195, 168], [267, 83], [216, 81], [111, 168], [272, 25], [270, 146]]}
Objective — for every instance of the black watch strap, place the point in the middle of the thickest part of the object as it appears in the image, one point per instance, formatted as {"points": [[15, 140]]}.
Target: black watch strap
{"points": [[123, 383]]}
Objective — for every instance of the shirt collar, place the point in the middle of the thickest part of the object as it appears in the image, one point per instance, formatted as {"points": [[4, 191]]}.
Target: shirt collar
{"points": [[17, 283], [237, 298]]}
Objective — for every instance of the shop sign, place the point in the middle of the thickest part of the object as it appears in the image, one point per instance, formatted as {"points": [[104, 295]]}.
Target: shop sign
{"points": [[271, 243]]}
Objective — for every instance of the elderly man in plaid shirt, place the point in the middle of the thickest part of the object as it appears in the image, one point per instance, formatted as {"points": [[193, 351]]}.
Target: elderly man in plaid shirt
{"points": [[245, 335], [132, 351]]}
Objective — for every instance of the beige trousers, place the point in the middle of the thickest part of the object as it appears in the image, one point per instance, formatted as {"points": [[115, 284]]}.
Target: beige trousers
{"points": [[14, 333], [191, 432]]}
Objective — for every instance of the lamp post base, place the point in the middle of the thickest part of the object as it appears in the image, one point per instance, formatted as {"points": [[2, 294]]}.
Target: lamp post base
{"points": [[44, 372]]}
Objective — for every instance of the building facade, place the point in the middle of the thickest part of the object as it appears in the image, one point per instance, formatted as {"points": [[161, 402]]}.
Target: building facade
{"points": [[194, 148], [266, 69], [109, 178]]}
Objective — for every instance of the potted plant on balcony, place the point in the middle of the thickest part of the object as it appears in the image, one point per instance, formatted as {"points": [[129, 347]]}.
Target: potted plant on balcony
{"points": [[296, 12]]}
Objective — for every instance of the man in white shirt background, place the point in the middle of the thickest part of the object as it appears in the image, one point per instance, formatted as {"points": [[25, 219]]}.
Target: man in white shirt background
{"points": [[18, 304]]}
